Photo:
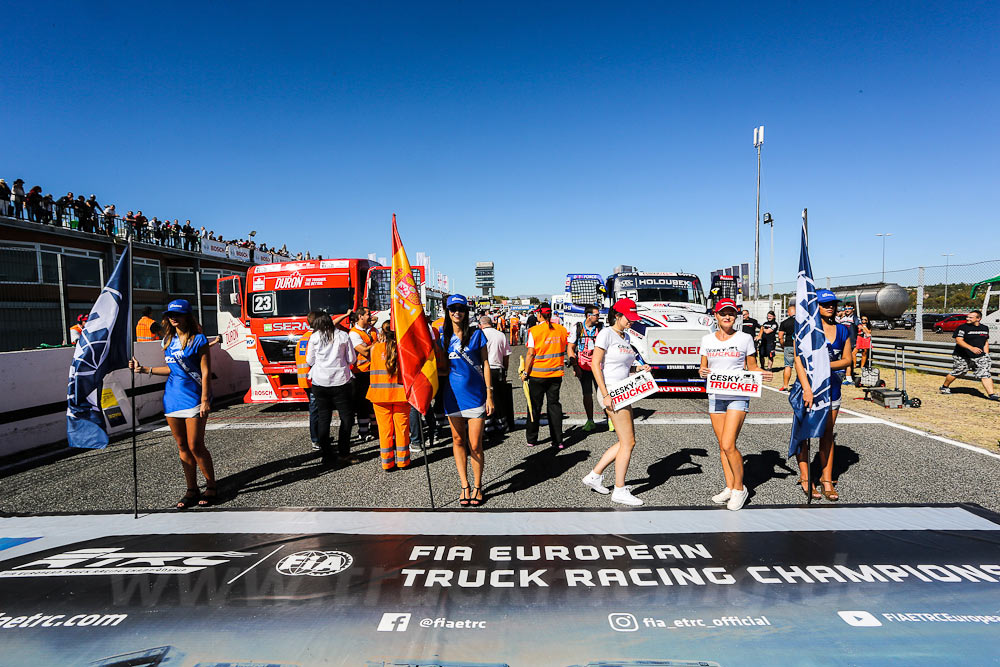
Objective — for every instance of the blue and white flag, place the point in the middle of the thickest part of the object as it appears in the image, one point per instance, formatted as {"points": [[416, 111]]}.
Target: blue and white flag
{"points": [[810, 345], [104, 346]]}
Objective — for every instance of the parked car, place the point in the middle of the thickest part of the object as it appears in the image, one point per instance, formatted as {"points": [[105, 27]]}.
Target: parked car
{"points": [[907, 321], [949, 323], [930, 319], [880, 324]]}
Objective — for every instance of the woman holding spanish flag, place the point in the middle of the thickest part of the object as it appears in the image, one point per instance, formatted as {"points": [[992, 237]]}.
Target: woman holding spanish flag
{"points": [[388, 399]]}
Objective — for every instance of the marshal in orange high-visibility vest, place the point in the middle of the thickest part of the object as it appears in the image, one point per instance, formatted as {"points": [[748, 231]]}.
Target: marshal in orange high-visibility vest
{"points": [[144, 331], [384, 388], [364, 360], [301, 367], [549, 345]]}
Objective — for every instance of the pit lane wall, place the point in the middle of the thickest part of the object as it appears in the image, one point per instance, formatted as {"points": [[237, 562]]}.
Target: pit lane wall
{"points": [[33, 400]]}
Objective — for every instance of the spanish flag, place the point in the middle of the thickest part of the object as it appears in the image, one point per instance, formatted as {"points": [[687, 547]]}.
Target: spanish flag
{"points": [[417, 363]]}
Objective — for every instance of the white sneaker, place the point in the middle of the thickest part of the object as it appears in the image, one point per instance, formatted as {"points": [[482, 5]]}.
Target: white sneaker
{"points": [[596, 482], [737, 499], [721, 499], [623, 495]]}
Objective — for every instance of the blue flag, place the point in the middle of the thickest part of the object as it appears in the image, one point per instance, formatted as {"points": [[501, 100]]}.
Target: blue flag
{"points": [[810, 346], [104, 346]]}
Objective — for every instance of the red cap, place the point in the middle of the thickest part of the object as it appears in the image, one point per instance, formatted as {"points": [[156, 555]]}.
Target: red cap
{"points": [[545, 310], [627, 308], [725, 303]]}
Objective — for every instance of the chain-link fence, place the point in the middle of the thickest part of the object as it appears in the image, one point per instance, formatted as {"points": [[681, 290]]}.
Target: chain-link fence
{"points": [[945, 287]]}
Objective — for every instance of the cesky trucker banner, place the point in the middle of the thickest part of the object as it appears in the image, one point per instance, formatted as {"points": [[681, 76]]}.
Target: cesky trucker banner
{"points": [[843, 585]]}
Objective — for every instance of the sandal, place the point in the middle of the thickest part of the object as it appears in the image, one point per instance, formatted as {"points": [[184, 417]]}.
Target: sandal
{"points": [[815, 492], [190, 499], [210, 496], [476, 502], [463, 500], [832, 494]]}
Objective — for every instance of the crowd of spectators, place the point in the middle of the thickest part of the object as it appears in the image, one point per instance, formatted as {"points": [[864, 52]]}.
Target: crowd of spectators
{"points": [[87, 215]]}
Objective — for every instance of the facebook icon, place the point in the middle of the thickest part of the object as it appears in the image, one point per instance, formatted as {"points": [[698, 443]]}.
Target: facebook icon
{"points": [[393, 622]]}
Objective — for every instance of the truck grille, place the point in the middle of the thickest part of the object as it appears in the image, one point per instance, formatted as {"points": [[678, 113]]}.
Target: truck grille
{"points": [[279, 349]]}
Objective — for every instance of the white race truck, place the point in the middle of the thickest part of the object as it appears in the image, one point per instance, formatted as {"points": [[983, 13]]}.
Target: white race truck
{"points": [[990, 289], [674, 319]]}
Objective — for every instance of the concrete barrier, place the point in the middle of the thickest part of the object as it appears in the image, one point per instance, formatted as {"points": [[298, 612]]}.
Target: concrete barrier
{"points": [[33, 400]]}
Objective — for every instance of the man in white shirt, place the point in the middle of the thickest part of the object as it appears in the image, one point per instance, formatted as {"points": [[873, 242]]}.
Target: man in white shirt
{"points": [[498, 353]]}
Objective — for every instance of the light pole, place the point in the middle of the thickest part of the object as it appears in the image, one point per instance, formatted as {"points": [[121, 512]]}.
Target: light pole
{"points": [[946, 255], [768, 220], [758, 141], [883, 254]]}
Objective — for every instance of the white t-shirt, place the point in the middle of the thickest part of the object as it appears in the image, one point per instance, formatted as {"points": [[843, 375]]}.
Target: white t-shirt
{"points": [[727, 355], [497, 347], [330, 360], [618, 355]]}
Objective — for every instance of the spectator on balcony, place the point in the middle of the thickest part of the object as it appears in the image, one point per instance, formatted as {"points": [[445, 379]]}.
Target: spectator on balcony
{"points": [[17, 198], [284, 250], [48, 206], [157, 228], [4, 198], [83, 212], [141, 227], [109, 220], [175, 234], [203, 234], [130, 224], [95, 208], [211, 235], [33, 202], [63, 204]]}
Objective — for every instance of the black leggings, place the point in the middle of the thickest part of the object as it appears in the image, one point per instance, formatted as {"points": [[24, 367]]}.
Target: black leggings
{"points": [[328, 398]]}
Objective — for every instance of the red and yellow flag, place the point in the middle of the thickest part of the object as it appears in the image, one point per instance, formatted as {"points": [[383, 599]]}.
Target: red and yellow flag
{"points": [[417, 363]]}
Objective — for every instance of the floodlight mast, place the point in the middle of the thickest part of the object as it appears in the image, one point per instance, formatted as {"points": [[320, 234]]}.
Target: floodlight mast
{"points": [[758, 141]]}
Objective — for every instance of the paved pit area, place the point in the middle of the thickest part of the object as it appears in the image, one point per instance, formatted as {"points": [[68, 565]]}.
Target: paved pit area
{"points": [[263, 459]]}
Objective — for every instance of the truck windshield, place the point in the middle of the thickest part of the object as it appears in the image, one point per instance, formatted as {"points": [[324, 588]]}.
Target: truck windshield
{"points": [[298, 302], [660, 289]]}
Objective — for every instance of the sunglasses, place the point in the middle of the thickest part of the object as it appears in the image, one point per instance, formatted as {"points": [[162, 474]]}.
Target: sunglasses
{"points": [[457, 309]]}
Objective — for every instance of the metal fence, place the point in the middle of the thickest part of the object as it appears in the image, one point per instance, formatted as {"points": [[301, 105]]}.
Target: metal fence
{"points": [[945, 287], [929, 357]]}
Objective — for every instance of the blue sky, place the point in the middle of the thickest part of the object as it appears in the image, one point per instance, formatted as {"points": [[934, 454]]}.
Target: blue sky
{"points": [[561, 138]]}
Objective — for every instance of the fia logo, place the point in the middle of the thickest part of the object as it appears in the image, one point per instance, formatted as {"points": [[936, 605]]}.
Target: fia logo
{"points": [[314, 563]]}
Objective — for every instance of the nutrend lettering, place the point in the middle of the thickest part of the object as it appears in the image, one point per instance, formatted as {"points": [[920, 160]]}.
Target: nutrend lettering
{"points": [[60, 620], [113, 560]]}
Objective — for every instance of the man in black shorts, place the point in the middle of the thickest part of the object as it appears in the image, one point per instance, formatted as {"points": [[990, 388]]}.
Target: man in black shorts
{"points": [[972, 354], [786, 338], [580, 351]]}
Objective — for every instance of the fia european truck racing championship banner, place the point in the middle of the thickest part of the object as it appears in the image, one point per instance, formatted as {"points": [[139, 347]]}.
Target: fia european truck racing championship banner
{"points": [[737, 384], [784, 586]]}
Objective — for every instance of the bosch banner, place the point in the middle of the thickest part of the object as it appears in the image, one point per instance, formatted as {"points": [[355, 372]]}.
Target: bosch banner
{"points": [[744, 384], [835, 585], [631, 389]]}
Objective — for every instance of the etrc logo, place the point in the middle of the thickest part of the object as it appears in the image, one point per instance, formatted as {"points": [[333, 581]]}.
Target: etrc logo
{"points": [[111, 560], [315, 563], [859, 619]]}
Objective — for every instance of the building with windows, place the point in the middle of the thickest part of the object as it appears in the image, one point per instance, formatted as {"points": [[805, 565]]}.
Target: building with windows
{"points": [[485, 279], [49, 275]]}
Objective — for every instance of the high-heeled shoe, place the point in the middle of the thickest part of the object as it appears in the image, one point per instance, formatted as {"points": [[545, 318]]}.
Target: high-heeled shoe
{"points": [[463, 500], [815, 492], [832, 494]]}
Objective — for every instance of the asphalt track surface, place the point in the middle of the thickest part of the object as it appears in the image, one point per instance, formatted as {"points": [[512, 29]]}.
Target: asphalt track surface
{"points": [[263, 459]]}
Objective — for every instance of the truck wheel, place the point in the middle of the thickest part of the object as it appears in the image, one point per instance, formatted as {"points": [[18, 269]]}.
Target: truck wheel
{"points": [[915, 403], [881, 383]]}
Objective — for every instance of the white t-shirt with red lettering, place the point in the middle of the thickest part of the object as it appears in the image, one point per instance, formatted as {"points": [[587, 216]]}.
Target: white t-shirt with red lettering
{"points": [[727, 355]]}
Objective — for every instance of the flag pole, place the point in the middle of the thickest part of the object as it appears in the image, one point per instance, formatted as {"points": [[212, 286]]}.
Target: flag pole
{"points": [[809, 474], [131, 347], [423, 455]]}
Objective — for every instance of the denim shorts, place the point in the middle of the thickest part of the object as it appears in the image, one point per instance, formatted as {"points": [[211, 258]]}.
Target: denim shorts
{"points": [[718, 405], [789, 353]]}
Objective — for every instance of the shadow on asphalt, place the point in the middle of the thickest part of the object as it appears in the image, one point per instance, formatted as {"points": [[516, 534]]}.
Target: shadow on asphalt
{"points": [[675, 464], [760, 468], [271, 475], [536, 468]]}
